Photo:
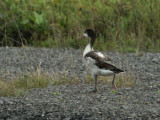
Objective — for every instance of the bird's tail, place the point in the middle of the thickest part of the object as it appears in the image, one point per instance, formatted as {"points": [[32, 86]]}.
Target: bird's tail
{"points": [[118, 70]]}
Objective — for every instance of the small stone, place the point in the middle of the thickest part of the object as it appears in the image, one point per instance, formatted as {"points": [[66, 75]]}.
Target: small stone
{"points": [[132, 115], [156, 60], [158, 101], [1, 102], [125, 107]]}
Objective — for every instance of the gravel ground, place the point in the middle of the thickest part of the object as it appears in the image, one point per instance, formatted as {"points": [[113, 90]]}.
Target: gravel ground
{"points": [[75, 102]]}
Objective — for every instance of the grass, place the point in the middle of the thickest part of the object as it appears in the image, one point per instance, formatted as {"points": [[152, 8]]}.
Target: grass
{"points": [[37, 79], [18, 86], [123, 80], [127, 25]]}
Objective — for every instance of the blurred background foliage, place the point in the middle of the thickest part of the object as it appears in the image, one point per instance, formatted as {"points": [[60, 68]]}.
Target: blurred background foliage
{"points": [[122, 25]]}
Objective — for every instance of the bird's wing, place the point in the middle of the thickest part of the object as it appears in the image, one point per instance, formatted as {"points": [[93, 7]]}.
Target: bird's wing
{"points": [[101, 63]]}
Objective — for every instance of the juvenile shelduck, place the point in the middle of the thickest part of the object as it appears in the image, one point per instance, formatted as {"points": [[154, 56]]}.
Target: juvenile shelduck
{"points": [[96, 62]]}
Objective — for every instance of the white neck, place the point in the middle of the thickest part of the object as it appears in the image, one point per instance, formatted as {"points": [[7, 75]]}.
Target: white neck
{"points": [[87, 49]]}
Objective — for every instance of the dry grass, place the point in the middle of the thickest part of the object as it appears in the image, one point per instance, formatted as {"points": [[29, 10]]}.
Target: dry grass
{"points": [[123, 80], [37, 79], [18, 86], [63, 79]]}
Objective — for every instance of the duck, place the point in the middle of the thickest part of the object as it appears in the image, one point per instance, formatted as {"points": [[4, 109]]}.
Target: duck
{"points": [[96, 62]]}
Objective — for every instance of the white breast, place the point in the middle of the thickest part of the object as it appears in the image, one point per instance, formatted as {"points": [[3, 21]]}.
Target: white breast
{"points": [[90, 65], [87, 50]]}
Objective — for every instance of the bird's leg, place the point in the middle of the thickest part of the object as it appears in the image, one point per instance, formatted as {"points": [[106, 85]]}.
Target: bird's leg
{"points": [[95, 78], [113, 82]]}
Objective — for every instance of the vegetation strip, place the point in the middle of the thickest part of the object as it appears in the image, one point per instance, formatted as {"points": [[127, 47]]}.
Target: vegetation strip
{"points": [[128, 26], [18, 86]]}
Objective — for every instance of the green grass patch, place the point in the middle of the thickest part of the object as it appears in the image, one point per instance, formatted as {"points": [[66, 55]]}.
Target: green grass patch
{"points": [[158, 92], [56, 93], [120, 25]]}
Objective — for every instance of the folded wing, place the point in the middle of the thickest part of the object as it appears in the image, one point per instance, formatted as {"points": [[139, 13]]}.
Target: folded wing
{"points": [[101, 63]]}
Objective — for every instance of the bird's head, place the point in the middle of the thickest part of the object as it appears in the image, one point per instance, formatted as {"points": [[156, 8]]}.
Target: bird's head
{"points": [[88, 33]]}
